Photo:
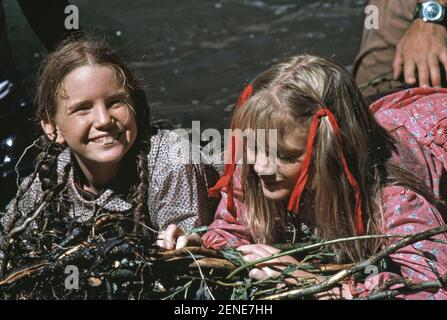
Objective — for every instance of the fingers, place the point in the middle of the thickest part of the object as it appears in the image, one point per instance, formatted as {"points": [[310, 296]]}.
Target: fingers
{"points": [[429, 73], [423, 73], [270, 249], [398, 62], [443, 60], [167, 238], [253, 253], [419, 53], [409, 72], [188, 241], [160, 238], [173, 238], [251, 257], [262, 250], [257, 274], [435, 74], [262, 274], [172, 233], [182, 242]]}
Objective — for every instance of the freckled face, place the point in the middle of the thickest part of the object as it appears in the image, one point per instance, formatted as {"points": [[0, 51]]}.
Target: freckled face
{"points": [[278, 184], [94, 117]]}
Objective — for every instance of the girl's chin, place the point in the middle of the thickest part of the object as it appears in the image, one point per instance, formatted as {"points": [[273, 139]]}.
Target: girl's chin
{"points": [[276, 195], [107, 156]]}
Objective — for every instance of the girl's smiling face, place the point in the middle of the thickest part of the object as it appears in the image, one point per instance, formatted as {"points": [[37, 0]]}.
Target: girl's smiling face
{"points": [[94, 116], [278, 184]]}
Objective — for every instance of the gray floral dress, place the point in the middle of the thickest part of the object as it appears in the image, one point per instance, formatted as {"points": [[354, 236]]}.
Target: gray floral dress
{"points": [[177, 192]]}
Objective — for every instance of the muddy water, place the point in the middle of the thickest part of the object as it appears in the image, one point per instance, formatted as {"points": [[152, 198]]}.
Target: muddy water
{"points": [[196, 55]]}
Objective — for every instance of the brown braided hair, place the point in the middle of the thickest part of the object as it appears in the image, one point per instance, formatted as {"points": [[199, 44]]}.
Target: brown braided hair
{"points": [[46, 161], [72, 53]]}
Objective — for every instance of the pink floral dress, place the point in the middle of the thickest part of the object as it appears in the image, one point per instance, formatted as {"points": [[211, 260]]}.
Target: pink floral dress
{"points": [[417, 119]]}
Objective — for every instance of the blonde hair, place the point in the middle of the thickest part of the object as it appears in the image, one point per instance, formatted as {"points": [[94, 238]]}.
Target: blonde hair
{"points": [[286, 97]]}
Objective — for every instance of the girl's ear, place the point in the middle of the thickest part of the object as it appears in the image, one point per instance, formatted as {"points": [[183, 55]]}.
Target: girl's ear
{"points": [[51, 130]]}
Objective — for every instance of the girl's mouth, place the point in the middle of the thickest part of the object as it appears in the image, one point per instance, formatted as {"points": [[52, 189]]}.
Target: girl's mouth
{"points": [[270, 183], [107, 139]]}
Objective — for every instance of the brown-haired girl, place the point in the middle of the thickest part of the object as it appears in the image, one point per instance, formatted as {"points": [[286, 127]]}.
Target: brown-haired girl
{"points": [[99, 157]]}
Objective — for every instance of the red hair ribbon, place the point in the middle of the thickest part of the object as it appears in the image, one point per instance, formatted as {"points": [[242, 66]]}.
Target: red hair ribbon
{"points": [[227, 179], [294, 201], [245, 95]]}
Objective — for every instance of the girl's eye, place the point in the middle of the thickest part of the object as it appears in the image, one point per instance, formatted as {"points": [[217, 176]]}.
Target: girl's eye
{"points": [[287, 158], [81, 109], [117, 103]]}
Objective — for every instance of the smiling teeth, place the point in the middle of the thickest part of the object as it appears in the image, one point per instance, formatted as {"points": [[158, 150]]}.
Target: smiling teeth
{"points": [[105, 140]]}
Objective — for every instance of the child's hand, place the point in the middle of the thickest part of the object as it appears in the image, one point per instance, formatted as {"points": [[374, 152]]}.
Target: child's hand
{"points": [[174, 238], [253, 252]]}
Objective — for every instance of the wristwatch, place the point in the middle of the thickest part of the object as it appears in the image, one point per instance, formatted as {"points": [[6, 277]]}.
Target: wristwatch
{"points": [[431, 11]]}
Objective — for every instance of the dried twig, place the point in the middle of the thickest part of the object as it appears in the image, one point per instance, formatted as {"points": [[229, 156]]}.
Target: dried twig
{"points": [[194, 250], [16, 167], [213, 263], [22, 273], [408, 288], [311, 247], [201, 275], [337, 278]]}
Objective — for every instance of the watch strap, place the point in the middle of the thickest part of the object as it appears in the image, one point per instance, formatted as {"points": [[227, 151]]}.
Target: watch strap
{"points": [[418, 15]]}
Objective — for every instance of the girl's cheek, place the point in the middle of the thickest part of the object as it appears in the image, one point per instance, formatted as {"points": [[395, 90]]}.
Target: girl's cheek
{"points": [[125, 116], [132, 131], [296, 169], [289, 171], [79, 124]]}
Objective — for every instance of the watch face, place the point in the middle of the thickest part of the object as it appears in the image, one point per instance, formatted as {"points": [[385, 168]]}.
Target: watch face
{"points": [[432, 11]]}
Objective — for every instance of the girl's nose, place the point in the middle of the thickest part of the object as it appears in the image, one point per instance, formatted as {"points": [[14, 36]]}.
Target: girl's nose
{"points": [[263, 165], [102, 116]]}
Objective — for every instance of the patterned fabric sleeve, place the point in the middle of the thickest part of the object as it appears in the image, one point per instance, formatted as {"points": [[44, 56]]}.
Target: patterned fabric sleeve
{"points": [[406, 212], [229, 230], [178, 187], [417, 120], [26, 205]]}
